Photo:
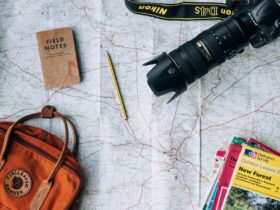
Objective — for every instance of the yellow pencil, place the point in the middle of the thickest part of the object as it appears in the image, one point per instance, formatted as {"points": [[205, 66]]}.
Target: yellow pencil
{"points": [[124, 115]]}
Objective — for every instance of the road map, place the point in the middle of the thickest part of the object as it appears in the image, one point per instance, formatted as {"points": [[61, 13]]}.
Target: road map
{"points": [[162, 157]]}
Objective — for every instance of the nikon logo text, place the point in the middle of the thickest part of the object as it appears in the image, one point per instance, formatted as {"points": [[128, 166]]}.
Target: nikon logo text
{"points": [[204, 11], [227, 12], [154, 9]]}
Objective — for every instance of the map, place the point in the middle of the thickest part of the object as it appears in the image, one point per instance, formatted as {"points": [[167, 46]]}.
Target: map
{"points": [[162, 156]]}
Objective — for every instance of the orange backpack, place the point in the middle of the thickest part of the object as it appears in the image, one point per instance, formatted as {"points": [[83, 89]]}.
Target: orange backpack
{"points": [[37, 171]]}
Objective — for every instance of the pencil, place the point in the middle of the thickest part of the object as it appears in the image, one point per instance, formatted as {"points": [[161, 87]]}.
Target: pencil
{"points": [[123, 110]]}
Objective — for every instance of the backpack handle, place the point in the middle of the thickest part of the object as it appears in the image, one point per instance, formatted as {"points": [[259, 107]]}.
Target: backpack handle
{"points": [[49, 113]]}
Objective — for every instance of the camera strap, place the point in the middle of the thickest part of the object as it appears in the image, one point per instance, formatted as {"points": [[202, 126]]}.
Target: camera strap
{"points": [[182, 11]]}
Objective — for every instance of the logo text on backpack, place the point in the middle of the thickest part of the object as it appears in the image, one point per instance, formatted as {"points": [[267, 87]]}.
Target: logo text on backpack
{"points": [[17, 183]]}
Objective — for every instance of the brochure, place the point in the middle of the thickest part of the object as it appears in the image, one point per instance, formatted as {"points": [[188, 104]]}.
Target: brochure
{"points": [[229, 166], [256, 181], [257, 144], [219, 161]]}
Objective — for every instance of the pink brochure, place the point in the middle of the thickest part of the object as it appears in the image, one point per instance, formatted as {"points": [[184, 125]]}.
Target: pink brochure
{"points": [[258, 144], [225, 177]]}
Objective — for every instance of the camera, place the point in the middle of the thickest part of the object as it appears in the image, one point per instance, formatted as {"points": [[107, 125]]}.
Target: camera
{"points": [[255, 22]]}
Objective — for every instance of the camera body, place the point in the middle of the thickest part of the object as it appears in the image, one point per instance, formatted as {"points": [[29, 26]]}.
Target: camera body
{"points": [[267, 21], [255, 22]]}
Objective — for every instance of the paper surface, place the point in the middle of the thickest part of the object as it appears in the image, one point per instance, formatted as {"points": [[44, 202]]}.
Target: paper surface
{"points": [[162, 157]]}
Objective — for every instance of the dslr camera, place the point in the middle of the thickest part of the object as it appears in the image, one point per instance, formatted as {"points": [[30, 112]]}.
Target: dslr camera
{"points": [[255, 21]]}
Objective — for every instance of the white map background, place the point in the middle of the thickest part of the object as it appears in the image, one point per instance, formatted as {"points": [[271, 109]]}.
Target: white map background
{"points": [[162, 157]]}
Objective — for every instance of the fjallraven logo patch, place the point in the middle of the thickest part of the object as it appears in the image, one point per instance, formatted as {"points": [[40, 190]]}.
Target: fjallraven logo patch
{"points": [[17, 183]]}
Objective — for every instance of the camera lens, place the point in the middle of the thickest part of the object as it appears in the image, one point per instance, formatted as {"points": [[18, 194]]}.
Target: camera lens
{"points": [[165, 76], [192, 60]]}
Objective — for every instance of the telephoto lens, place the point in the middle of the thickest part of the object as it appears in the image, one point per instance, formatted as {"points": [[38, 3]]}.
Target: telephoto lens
{"points": [[258, 23]]}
